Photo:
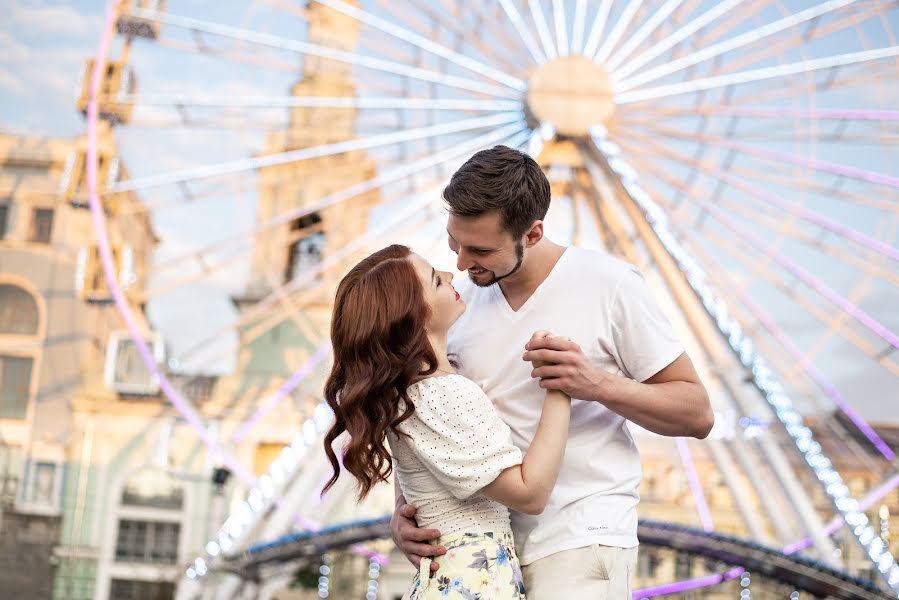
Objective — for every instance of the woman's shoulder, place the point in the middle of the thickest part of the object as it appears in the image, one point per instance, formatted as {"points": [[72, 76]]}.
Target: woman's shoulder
{"points": [[442, 383], [443, 391]]}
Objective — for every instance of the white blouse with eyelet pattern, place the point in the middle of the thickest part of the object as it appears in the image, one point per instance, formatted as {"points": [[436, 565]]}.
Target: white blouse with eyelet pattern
{"points": [[454, 445]]}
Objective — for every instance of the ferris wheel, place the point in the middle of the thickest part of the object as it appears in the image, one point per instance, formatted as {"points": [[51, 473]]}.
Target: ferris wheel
{"points": [[743, 152]]}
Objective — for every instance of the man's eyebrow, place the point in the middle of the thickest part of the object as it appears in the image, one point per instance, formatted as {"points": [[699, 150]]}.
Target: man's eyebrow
{"points": [[433, 274], [476, 248]]}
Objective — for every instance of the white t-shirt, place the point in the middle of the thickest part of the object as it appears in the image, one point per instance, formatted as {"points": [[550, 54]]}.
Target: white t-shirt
{"points": [[605, 306], [453, 445]]}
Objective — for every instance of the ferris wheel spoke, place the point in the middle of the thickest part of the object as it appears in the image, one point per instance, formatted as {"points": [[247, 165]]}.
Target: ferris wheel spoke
{"points": [[472, 36], [750, 37], [777, 48], [292, 156], [423, 43], [714, 171], [734, 247], [777, 156], [778, 112], [229, 54], [769, 90], [675, 38], [549, 48], [526, 37], [363, 102], [710, 83], [854, 132], [301, 47], [648, 27], [561, 27], [597, 28], [773, 220], [823, 315], [621, 25], [579, 26]]}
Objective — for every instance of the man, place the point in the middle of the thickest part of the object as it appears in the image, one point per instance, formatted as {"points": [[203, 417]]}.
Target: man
{"points": [[613, 352]]}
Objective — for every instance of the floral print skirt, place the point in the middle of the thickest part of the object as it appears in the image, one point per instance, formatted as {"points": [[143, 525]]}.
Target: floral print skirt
{"points": [[476, 566]]}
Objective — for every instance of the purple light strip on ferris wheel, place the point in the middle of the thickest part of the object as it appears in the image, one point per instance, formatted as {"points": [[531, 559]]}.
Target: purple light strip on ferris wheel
{"points": [[702, 507], [286, 388], [818, 165], [814, 217], [687, 584], [99, 222], [818, 377], [856, 114], [844, 304]]}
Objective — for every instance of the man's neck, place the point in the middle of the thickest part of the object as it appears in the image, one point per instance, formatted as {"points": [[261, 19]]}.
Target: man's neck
{"points": [[541, 260]]}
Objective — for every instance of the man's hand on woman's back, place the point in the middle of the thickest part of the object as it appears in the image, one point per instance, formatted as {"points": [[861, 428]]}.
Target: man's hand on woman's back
{"points": [[413, 540]]}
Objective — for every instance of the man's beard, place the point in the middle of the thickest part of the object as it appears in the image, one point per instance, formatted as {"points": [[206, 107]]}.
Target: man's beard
{"points": [[519, 254]]}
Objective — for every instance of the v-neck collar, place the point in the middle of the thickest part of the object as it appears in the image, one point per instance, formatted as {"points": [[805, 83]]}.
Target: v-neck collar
{"points": [[515, 315]]}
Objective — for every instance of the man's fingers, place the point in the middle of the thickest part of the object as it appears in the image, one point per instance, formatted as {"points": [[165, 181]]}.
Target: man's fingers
{"points": [[547, 356], [549, 372], [552, 342], [407, 510], [419, 550], [414, 534]]}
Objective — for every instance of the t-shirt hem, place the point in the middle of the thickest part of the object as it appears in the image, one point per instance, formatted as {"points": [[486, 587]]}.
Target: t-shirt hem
{"points": [[619, 541]]}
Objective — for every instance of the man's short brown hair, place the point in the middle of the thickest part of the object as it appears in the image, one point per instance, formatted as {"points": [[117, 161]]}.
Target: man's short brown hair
{"points": [[504, 180]]}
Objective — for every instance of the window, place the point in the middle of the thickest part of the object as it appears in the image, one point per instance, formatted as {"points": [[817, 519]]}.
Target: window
{"points": [[18, 311], [4, 219], [147, 542], [15, 383], [10, 468], [41, 484], [41, 225], [125, 589], [306, 245]]}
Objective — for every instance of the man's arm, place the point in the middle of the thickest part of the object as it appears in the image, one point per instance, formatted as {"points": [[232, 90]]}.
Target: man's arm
{"points": [[672, 402], [408, 537]]}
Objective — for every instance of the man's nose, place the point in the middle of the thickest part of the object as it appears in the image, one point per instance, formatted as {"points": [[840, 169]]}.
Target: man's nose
{"points": [[463, 262]]}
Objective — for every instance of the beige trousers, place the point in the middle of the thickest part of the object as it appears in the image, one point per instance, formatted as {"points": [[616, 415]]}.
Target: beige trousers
{"points": [[589, 573]]}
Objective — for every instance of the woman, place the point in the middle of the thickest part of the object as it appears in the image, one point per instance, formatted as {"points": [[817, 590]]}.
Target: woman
{"points": [[455, 462]]}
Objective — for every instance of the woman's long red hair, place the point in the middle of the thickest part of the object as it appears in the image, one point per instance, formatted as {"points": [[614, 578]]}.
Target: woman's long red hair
{"points": [[378, 332]]}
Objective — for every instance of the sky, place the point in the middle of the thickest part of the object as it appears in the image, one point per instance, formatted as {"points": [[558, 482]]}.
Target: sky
{"points": [[43, 46]]}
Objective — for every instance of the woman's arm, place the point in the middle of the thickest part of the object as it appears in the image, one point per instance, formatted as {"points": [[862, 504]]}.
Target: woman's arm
{"points": [[526, 487]]}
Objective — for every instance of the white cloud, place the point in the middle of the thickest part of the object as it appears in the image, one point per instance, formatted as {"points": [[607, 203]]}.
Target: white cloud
{"points": [[54, 20], [10, 84]]}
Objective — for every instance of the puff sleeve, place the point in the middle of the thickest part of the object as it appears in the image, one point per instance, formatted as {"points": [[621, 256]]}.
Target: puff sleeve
{"points": [[458, 435]]}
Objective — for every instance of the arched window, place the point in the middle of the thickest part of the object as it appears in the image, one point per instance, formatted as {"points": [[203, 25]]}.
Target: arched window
{"points": [[18, 311]]}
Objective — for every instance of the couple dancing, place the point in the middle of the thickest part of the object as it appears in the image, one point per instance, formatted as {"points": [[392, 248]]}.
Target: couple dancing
{"points": [[512, 393]]}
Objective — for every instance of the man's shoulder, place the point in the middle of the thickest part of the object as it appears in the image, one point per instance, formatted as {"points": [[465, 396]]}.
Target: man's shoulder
{"points": [[597, 266]]}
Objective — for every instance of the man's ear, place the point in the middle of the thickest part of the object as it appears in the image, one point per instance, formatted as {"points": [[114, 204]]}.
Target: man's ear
{"points": [[534, 234]]}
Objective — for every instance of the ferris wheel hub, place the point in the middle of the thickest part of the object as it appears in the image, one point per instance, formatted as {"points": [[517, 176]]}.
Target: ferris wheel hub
{"points": [[573, 93]]}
